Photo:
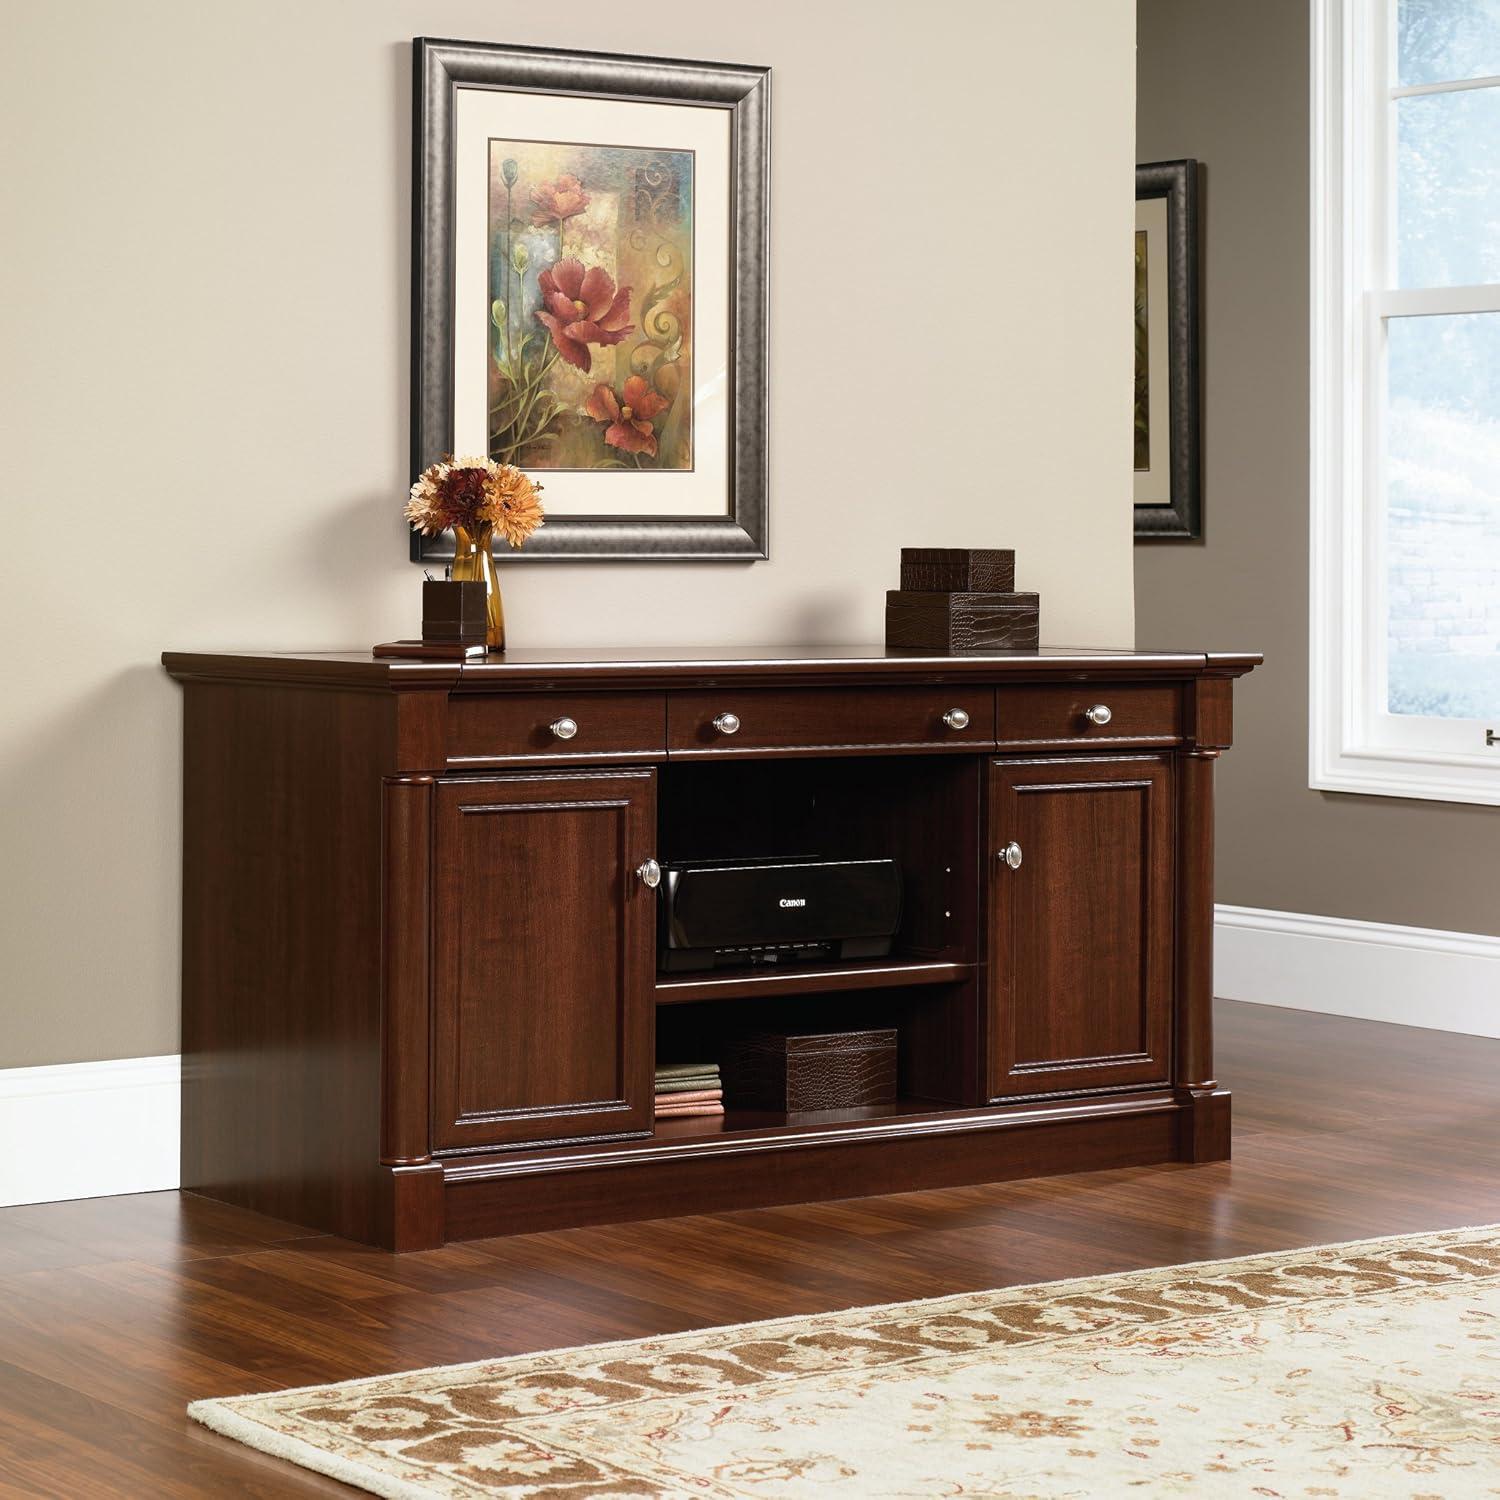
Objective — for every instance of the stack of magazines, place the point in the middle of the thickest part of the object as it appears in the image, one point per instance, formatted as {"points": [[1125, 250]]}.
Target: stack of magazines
{"points": [[688, 1088]]}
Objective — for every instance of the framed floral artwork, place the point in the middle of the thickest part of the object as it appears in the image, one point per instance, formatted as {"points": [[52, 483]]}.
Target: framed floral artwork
{"points": [[1168, 485], [589, 293]]}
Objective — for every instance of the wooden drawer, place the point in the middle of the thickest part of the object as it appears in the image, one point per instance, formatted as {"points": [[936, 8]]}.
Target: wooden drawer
{"points": [[489, 729], [812, 721], [1058, 713]]}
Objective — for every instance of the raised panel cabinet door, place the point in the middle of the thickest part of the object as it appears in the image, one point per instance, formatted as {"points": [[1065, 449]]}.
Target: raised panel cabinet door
{"points": [[544, 957], [1081, 922]]}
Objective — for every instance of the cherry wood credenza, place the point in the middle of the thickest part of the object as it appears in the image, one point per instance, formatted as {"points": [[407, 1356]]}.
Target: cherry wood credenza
{"points": [[420, 995]]}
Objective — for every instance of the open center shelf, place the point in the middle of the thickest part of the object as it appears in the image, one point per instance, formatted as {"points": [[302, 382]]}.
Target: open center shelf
{"points": [[861, 974], [884, 1038]]}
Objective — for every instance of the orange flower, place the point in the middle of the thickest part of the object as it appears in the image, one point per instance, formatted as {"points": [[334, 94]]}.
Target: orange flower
{"points": [[629, 415], [556, 202], [511, 504]]}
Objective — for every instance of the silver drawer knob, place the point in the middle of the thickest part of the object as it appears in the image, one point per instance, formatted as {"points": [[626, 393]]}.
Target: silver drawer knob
{"points": [[957, 718], [1100, 713], [564, 729], [727, 723], [1010, 855], [650, 874]]}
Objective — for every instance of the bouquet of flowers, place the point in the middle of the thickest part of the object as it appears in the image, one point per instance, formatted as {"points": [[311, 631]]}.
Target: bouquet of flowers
{"points": [[476, 494]]}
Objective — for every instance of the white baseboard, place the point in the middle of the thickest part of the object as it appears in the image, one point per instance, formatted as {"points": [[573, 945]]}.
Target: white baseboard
{"points": [[89, 1130], [1412, 976]]}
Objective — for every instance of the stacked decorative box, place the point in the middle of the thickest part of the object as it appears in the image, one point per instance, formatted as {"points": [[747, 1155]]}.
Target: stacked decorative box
{"points": [[956, 599]]}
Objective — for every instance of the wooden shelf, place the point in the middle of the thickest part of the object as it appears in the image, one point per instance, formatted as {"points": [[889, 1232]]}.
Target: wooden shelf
{"points": [[693, 1127], [866, 974]]}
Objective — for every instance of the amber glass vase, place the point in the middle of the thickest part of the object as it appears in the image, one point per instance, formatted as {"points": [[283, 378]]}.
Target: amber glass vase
{"points": [[474, 562]]}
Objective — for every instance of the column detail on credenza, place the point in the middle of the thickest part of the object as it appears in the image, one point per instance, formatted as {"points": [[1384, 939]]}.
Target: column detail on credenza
{"points": [[1205, 1124], [409, 1184], [422, 903], [406, 957]]}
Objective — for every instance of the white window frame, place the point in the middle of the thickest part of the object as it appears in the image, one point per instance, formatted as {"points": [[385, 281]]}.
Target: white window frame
{"points": [[1354, 745]]}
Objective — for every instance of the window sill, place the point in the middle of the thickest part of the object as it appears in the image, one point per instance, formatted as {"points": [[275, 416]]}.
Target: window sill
{"points": [[1383, 774]]}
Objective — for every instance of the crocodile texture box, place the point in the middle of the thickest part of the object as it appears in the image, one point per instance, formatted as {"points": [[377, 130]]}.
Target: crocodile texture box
{"points": [[827, 1070], [952, 623], [958, 569]]}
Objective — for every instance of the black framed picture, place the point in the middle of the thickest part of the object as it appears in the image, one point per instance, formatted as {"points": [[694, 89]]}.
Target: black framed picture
{"points": [[589, 248], [1168, 475]]}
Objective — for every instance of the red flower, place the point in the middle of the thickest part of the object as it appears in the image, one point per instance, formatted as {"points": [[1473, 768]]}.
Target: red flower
{"points": [[556, 202], [582, 308], [629, 414]]}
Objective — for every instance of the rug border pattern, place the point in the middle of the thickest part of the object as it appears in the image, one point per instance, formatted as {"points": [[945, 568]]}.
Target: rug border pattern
{"points": [[228, 1417]]}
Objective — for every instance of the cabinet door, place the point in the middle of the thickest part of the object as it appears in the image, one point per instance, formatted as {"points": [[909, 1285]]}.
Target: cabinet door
{"points": [[1080, 935], [544, 957]]}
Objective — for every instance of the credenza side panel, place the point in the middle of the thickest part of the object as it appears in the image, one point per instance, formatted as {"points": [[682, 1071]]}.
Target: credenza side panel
{"points": [[544, 958], [281, 949]]}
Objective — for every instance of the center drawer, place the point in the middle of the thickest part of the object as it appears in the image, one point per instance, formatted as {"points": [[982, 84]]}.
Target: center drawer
{"points": [[810, 721]]}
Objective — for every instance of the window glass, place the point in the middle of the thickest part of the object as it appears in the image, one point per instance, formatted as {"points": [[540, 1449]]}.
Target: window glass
{"points": [[1448, 188], [1438, 41], [1443, 516]]}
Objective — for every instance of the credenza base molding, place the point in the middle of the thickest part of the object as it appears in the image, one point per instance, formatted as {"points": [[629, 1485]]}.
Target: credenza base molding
{"points": [[949, 1149]]}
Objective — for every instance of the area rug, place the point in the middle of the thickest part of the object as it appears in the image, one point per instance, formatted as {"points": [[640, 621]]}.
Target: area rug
{"points": [[1357, 1370]]}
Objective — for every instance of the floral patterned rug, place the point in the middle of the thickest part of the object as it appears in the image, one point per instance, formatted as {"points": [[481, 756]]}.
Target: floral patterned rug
{"points": [[1358, 1370]]}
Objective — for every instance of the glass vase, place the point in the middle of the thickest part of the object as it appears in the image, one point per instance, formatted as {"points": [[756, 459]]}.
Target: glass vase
{"points": [[474, 562]]}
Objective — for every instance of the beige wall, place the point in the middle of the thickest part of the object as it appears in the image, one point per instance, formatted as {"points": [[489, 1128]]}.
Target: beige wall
{"points": [[204, 305], [1227, 82]]}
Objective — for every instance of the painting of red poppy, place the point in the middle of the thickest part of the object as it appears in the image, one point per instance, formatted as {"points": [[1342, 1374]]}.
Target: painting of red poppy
{"points": [[590, 308]]}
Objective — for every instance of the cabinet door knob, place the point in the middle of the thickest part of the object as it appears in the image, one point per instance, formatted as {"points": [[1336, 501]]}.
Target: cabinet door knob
{"points": [[650, 874], [1010, 855], [957, 718], [1100, 713], [727, 723], [564, 729]]}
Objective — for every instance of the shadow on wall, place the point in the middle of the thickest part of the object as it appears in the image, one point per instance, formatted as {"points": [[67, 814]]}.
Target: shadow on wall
{"points": [[89, 810], [340, 551], [827, 616]]}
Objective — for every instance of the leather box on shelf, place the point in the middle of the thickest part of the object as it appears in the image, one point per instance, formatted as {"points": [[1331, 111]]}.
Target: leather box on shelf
{"points": [[827, 1070], [958, 569], [953, 623]]}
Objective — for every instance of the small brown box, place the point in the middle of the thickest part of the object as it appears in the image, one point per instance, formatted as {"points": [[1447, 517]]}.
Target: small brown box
{"points": [[829, 1070], [453, 612], [959, 569], [955, 623]]}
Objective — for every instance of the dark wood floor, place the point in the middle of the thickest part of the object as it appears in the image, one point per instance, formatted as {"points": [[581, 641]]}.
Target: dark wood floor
{"points": [[116, 1312]]}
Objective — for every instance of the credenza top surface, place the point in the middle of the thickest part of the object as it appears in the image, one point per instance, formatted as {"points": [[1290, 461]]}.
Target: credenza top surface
{"points": [[655, 666]]}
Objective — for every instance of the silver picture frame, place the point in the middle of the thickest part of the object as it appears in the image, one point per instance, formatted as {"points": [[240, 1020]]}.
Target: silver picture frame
{"points": [[440, 69], [1180, 518]]}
